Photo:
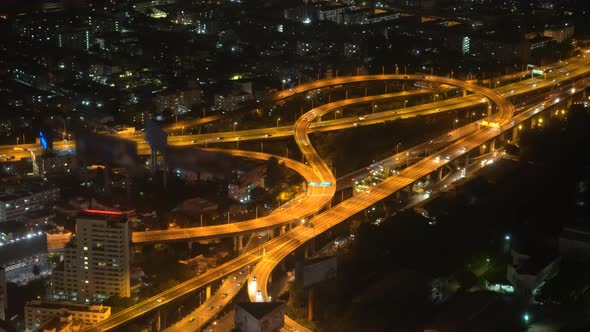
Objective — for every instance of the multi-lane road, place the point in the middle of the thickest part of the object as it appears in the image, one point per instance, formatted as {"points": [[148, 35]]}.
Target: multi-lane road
{"points": [[276, 249]]}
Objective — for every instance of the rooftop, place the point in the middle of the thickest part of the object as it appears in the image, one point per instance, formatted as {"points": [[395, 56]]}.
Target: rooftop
{"points": [[260, 309], [68, 306]]}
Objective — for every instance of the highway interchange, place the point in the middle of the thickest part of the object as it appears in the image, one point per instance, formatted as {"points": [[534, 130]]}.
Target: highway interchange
{"points": [[464, 140]]}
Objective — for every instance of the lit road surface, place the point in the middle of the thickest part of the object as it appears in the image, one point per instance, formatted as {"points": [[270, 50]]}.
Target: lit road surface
{"points": [[566, 70], [277, 248], [314, 199], [211, 308], [295, 238], [281, 246], [342, 211], [300, 137]]}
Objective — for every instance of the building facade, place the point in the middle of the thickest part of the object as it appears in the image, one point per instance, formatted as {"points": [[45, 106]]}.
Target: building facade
{"points": [[37, 313], [259, 316], [96, 262], [14, 206]]}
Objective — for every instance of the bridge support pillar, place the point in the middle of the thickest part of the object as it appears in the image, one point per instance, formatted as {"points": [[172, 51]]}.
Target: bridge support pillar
{"points": [[283, 229], [158, 321], [440, 174], [310, 248], [207, 292], [271, 233], [493, 145], [466, 163], [514, 134], [464, 93], [239, 243]]}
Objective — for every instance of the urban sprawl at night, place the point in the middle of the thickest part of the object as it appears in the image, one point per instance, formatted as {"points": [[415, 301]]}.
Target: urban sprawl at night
{"points": [[294, 165]]}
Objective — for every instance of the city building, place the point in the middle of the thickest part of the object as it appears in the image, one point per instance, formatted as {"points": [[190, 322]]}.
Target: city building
{"points": [[177, 100], [560, 34], [240, 190], [59, 323], [231, 100], [37, 313], [96, 261], [259, 316], [14, 206], [527, 273], [331, 11]]}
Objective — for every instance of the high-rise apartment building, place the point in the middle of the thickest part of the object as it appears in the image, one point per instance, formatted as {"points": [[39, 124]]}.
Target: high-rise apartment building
{"points": [[96, 261]]}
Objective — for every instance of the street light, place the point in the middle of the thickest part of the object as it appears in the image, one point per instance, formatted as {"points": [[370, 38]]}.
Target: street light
{"points": [[278, 119], [284, 83], [526, 317], [397, 147], [405, 103], [455, 123], [235, 124]]}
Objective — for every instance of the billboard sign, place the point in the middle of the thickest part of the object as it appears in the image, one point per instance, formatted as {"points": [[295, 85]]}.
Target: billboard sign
{"points": [[314, 271], [104, 149]]}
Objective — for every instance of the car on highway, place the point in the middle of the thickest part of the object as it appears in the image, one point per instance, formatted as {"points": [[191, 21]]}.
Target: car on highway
{"points": [[161, 299], [267, 135], [211, 307], [239, 284], [254, 278], [192, 319], [437, 159], [224, 295], [361, 118], [219, 306], [259, 293], [219, 138]]}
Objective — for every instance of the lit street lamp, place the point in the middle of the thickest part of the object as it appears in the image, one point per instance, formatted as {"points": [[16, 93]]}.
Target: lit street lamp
{"points": [[278, 119], [235, 124]]}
